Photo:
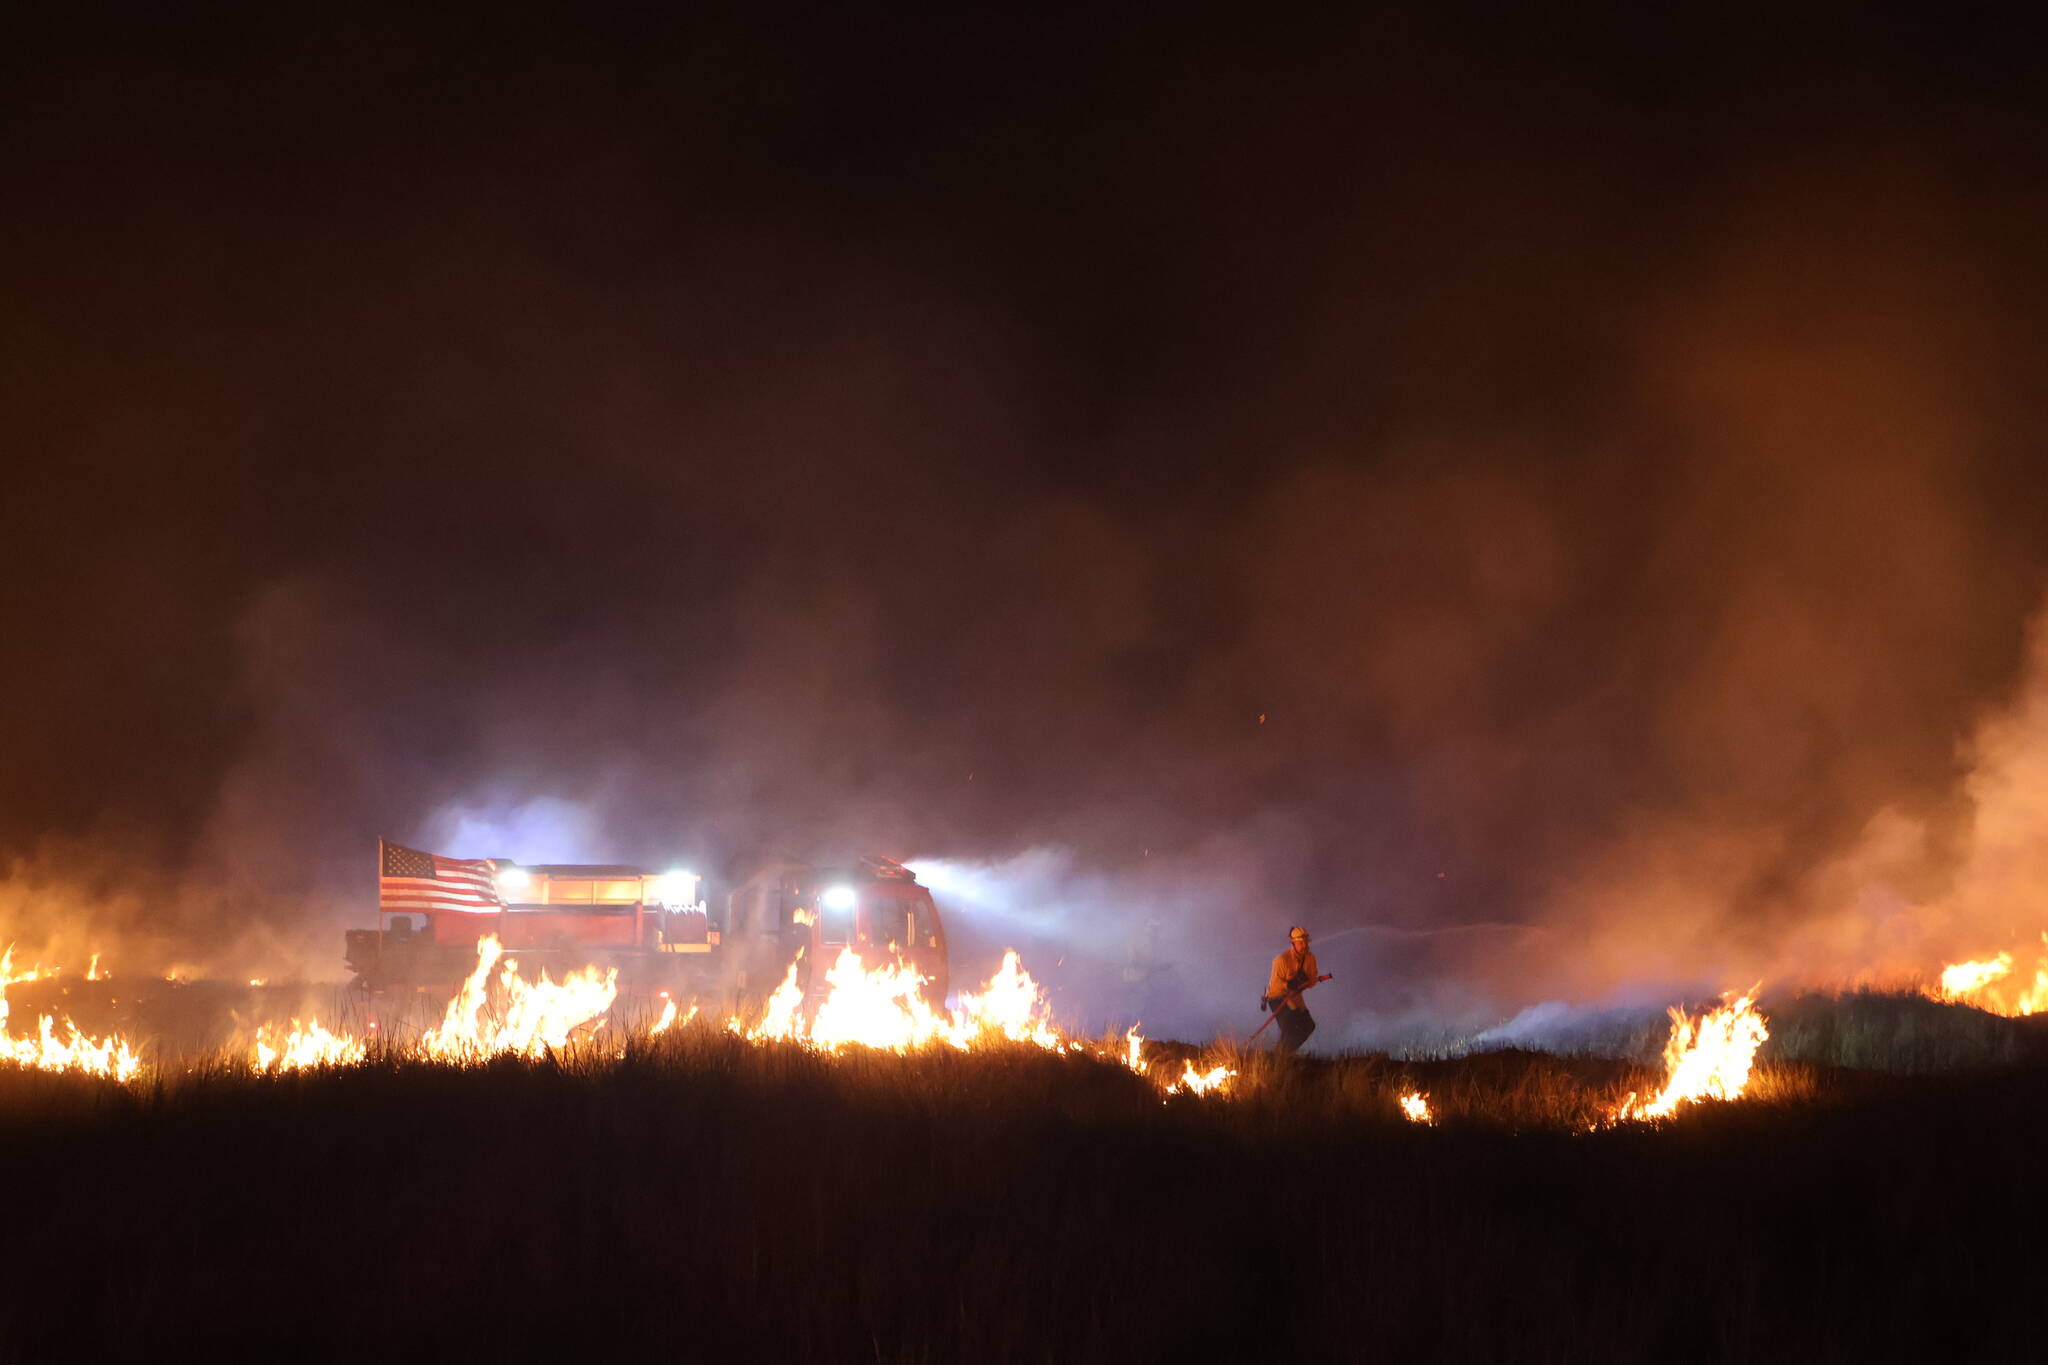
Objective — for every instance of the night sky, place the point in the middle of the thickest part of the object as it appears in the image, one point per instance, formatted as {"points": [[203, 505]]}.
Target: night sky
{"points": [[1559, 493]]}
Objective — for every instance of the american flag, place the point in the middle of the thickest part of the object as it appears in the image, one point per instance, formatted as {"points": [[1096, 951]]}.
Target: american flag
{"points": [[410, 881]]}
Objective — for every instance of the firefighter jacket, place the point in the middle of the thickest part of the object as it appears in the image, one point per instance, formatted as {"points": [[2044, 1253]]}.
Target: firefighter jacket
{"points": [[1292, 971]]}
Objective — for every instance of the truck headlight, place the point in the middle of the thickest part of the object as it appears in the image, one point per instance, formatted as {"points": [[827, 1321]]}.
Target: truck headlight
{"points": [[839, 898]]}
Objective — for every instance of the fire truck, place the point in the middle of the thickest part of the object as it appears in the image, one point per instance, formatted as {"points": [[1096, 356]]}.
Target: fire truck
{"points": [[662, 935], [805, 914]]}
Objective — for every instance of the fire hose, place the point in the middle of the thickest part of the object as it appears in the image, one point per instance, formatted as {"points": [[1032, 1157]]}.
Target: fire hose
{"points": [[1281, 1004]]}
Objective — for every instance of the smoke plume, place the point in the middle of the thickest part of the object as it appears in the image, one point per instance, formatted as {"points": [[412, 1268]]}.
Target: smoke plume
{"points": [[1553, 534]]}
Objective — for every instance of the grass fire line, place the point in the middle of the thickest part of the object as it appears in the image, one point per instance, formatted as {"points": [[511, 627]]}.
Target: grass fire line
{"points": [[498, 1013]]}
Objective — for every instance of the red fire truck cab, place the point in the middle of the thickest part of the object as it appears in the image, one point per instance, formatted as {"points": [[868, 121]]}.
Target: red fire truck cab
{"points": [[874, 906]]}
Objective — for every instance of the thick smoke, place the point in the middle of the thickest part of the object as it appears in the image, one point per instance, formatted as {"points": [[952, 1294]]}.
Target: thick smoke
{"points": [[1551, 539]]}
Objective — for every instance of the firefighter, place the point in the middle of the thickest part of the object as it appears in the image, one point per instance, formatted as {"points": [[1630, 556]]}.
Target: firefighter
{"points": [[1294, 971]]}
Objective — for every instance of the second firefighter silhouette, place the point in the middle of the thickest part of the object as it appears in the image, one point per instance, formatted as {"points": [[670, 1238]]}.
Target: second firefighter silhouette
{"points": [[1294, 972]]}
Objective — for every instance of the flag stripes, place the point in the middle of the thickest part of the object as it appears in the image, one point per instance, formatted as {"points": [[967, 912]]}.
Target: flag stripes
{"points": [[412, 882]]}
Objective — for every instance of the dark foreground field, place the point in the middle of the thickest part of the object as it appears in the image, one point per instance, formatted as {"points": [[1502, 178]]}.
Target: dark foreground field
{"points": [[712, 1201]]}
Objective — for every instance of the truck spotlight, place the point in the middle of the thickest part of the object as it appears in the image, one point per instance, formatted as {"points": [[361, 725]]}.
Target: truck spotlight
{"points": [[676, 888], [512, 880], [839, 898]]}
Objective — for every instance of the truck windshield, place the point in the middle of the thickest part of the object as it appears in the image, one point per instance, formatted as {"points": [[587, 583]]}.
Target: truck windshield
{"points": [[888, 921]]}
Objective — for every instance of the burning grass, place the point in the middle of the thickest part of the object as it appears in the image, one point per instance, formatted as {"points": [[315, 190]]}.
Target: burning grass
{"points": [[499, 1012]]}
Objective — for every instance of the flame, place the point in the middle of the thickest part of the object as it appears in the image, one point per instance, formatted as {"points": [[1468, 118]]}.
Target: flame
{"points": [[534, 1017], [307, 1045], [488, 1017], [1193, 1082], [1415, 1108], [1706, 1058], [2035, 999], [668, 1018], [876, 1007], [782, 1019], [1013, 1006], [803, 914], [92, 970], [496, 1012], [1990, 985], [1960, 978], [112, 1056], [882, 1006]]}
